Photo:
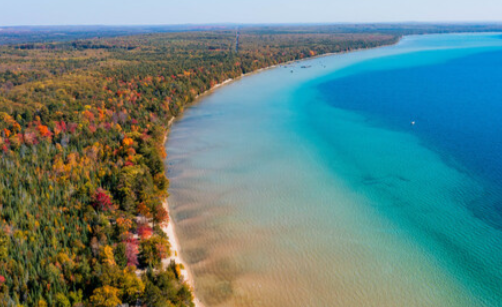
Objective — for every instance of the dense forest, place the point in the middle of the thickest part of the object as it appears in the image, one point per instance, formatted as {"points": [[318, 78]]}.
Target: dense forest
{"points": [[82, 178]]}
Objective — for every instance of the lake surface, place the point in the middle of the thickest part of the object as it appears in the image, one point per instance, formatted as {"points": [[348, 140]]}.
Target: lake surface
{"points": [[369, 179]]}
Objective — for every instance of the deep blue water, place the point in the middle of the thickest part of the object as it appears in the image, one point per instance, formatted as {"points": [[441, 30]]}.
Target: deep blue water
{"points": [[456, 107]]}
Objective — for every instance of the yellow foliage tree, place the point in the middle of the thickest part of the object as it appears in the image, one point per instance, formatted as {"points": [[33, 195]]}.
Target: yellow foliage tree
{"points": [[106, 255], [105, 297], [127, 141], [131, 286]]}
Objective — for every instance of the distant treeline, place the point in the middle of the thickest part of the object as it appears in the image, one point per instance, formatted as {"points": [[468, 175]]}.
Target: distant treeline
{"points": [[40, 34], [80, 45]]}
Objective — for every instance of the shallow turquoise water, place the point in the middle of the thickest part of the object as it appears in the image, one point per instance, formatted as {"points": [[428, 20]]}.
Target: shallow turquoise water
{"points": [[312, 188]]}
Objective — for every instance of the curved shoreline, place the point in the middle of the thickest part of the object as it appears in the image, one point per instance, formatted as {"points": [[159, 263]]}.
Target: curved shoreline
{"points": [[170, 228]]}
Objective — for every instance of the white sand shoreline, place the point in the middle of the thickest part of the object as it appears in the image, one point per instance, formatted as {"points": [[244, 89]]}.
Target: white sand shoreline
{"points": [[170, 228], [175, 255]]}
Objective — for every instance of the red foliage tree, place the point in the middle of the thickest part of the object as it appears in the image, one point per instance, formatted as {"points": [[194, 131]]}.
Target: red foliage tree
{"points": [[102, 200], [61, 126], [161, 216], [145, 231], [132, 251]]}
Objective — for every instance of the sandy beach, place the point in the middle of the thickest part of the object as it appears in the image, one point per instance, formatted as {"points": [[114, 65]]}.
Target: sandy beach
{"points": [[175, 255], [170, 228]]}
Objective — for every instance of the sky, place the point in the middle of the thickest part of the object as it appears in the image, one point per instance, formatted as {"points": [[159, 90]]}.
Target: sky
{"points": [[167, 12]]}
